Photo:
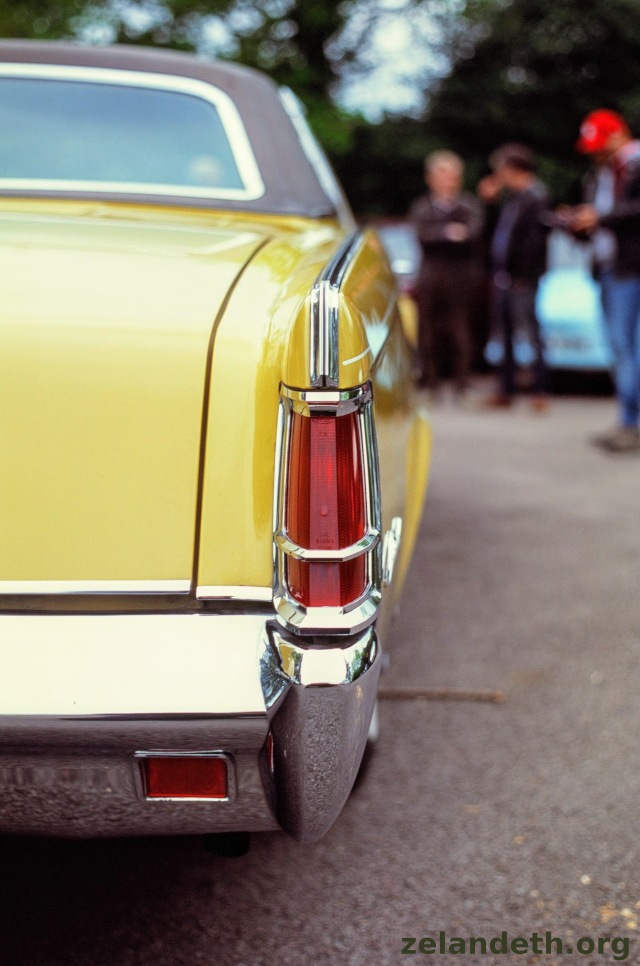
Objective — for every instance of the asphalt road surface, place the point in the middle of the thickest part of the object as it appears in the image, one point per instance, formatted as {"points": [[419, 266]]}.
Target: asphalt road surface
{"points": [[475, 819]]}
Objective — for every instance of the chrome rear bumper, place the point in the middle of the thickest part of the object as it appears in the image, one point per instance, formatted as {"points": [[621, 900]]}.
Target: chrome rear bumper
{"points": [[82, 695]]}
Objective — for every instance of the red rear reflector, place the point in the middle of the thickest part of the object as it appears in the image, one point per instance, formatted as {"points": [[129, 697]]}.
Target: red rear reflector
{"points": [[185, 777], [326, 508]]}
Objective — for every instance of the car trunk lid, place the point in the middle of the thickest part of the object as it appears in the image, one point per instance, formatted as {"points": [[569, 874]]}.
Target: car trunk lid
{"points": [[105, 329]]}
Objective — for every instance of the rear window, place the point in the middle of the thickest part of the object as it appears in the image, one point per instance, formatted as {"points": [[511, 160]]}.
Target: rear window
{"points": [[121, 131]]}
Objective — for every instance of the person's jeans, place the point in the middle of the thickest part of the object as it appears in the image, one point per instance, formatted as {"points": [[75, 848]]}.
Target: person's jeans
{"points": [[514, 306], [623, 319], [606, 277]]}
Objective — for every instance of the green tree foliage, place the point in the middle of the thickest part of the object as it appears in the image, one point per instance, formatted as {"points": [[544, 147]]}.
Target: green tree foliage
{"points": [[39, 19], [152, 22], [383, 172], [529, 70], [294, 42]]}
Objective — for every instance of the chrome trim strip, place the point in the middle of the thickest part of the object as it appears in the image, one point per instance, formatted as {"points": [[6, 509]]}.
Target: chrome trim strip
{"points": [[239, 593], [139, 777], [285, 661], [316, 156], [352, 619], [92, 587], [325, 311], [390, 548], [238, 139], [366, 543], [360, 613], [150, 188], [340, 401]]}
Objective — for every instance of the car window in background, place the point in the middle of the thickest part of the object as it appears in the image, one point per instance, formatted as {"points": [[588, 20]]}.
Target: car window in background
{"points": [[75, 133], [568, 295], [403, 250], [569, 310], [563, 251]]}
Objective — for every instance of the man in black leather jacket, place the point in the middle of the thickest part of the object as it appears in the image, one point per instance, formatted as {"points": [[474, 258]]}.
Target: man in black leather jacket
{"points": [[605, 135], [518, 259]]}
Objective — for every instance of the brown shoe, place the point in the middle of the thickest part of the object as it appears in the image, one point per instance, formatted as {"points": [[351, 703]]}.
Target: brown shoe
{"points": [[540, 404], [499, 401]]}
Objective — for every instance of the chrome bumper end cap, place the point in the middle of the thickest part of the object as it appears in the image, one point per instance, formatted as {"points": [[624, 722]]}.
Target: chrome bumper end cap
{"points": [[320, 700]]}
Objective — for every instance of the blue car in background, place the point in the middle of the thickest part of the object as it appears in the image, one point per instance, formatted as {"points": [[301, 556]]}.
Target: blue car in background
{"points": [[568, 304], [570, 314]]}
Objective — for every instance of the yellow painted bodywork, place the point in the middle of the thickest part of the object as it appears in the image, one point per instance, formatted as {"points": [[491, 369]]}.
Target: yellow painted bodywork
{"points": [[112, 319], [104, 327], [409, 313]]}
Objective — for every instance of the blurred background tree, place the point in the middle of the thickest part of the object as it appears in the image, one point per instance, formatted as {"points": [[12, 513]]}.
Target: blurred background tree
{"points": [[529, 70], [489, 71], [37, 19]]}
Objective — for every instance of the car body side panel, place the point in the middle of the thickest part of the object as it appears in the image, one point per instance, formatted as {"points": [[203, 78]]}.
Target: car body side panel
{"points": [[264, 341], [261, 340], [404, 432], [404, 442]]}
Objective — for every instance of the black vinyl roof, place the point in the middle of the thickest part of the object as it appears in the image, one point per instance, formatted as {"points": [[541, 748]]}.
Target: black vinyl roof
{"points": [[292, 185]]}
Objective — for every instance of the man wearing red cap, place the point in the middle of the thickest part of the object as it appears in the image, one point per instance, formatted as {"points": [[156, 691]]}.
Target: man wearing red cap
{"points": [[606, 137]]}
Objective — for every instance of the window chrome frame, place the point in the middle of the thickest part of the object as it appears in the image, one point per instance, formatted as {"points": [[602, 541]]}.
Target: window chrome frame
{"points": [[234, 128], [360, 613], [316, 156]]}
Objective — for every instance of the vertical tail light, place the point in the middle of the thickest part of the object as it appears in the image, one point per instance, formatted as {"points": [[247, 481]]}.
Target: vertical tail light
{"points": [[327, 526], [326, 509]]}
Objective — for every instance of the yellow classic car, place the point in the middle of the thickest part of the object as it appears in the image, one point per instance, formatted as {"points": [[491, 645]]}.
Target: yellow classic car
{"points": [[212, 467]]}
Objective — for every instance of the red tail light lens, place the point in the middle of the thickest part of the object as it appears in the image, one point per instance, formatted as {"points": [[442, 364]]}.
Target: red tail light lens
{"points": [[326, 584], [326, 508]]}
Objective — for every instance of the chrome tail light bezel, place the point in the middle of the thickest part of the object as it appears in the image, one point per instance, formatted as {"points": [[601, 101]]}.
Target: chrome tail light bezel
{"points": [[358, 614]]}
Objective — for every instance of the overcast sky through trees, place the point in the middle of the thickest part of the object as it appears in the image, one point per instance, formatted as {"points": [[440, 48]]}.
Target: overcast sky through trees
{"points": [[397, 44]]}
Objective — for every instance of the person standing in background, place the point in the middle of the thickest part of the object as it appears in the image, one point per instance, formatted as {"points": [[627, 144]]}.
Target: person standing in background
{"points": [[606, 137], [448, 225], [518, 260]]}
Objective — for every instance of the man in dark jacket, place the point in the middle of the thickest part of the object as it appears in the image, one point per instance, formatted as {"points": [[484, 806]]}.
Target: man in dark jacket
{"points": [[605, 135], [448, 224], [518, 259]]}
